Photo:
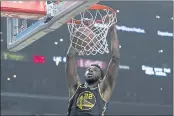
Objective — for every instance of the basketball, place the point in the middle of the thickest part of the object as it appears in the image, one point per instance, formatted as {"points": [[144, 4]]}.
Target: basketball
{"points": [[84, 39]]}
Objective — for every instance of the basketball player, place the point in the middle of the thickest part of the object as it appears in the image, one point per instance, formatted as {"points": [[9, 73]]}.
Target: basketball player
{"points": [[91, 98]]}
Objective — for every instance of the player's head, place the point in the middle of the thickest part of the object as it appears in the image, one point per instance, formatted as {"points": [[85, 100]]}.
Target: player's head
{"points": [[94, 74]]}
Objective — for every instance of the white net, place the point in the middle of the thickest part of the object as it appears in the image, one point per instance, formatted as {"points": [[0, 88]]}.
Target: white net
{"points": [[19, 25], [88, 34], [23, 25]]}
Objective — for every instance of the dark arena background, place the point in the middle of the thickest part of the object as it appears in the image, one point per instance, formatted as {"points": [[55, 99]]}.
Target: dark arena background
{"points": [[33, 80]]}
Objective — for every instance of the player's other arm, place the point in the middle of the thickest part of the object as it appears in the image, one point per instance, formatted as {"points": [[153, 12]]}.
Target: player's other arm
{"points": [[108, 84], [71, 71]]}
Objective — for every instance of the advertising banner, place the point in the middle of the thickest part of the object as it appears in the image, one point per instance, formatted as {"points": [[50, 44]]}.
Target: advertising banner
{"points": [[5, 55], [23, 9]]}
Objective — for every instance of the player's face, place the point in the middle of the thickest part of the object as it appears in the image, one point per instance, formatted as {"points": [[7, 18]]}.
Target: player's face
{"points": [[92, 75]]}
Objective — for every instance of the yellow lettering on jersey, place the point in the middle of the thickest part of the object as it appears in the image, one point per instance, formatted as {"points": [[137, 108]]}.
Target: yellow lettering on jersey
{"points": [[90, 96], [86, 100]]}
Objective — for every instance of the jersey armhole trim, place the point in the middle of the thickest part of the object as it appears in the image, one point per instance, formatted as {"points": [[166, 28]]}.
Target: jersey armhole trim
{"points": [[75, 92], [100, 94]]}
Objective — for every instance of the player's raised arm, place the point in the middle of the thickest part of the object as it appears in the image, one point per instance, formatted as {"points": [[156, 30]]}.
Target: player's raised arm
{"points": [[108, 83], [71, 71], [115, 58]]}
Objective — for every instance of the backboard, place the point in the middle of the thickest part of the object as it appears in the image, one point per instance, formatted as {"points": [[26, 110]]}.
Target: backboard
{"points": [[49, 17]]}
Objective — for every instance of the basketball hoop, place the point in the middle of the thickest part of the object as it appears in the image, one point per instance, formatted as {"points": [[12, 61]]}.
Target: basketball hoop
{"points": [[98, 15]]}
